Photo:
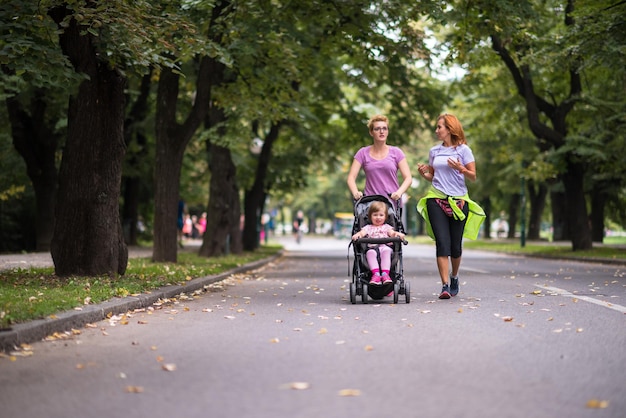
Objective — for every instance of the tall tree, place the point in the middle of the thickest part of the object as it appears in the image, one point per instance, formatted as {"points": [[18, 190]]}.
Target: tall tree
{"points": [[173, 136], [90, 203], [102, 40], [548, 99]]}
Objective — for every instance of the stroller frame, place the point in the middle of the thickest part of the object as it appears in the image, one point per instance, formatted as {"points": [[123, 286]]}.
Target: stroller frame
{"points": [[361, 271]]}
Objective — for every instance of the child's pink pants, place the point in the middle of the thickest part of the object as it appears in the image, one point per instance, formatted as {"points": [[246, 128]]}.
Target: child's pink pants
{"points": [[385, 258]]}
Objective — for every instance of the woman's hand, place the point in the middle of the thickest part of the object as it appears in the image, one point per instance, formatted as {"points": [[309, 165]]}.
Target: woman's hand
{"points": [[357, 195], [425, 171], [456, 164]]}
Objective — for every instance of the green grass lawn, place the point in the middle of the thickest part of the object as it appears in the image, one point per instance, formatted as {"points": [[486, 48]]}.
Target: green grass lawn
{"points": [[34, 293]]}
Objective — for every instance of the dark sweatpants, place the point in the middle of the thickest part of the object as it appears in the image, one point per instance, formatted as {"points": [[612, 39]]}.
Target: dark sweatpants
{"points": [[448, 231]]}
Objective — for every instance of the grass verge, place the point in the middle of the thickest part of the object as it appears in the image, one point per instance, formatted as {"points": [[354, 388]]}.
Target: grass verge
{"points": [[34, 293]]}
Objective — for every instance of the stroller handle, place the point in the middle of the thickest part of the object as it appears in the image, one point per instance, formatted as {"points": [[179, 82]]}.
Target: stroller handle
{"points": [[380, 240]]}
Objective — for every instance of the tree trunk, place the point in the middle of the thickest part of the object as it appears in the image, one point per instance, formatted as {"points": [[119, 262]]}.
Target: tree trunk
{"points": [[560, 226], [171, 140], [577, 215], [514, 213], [255, 197], [35, 140], [88, 238], [598, 201], [486, 205], [537, 194], [132, 183], [167, 168], [222, 235]]}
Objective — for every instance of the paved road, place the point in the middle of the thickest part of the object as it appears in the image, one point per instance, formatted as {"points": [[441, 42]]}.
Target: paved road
{"points": [[524, 338]]}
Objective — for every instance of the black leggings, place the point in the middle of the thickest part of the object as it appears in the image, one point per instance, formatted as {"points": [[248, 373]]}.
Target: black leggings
{"points": [[448, 231]]}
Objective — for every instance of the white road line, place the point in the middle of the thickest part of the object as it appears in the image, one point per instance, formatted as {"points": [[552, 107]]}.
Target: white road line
{"points": [[463, 268], [565, 293]]}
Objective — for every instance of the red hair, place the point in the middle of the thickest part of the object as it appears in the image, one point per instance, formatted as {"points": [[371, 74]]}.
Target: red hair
{"points": [[457, 136]]}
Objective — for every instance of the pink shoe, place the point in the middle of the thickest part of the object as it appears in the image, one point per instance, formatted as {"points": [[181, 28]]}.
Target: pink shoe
{"points": [[376, 280], [386, 279]]}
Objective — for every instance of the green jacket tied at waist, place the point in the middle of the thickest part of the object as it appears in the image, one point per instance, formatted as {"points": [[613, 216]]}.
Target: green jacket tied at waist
{"points": [[475, 217]]}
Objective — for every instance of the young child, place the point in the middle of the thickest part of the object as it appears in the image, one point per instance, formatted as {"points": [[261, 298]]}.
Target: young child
{"points": [[378, 228]]}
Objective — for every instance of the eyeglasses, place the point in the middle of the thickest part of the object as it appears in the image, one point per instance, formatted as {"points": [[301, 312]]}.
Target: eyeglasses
{"points": [[380, 128]]}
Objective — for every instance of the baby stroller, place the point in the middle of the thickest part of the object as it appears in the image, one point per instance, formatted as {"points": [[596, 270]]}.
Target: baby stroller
{"points": [[361, 272]]}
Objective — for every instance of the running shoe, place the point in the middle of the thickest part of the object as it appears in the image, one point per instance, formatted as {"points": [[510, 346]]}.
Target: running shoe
{"points": [[454, 286], [445, 292], [386, 279], [375, 280]]}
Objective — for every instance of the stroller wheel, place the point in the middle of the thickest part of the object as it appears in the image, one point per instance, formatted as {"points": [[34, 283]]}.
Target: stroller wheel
{"points": [[364, 293], [407, 292], [396, 291], [353, 293]]}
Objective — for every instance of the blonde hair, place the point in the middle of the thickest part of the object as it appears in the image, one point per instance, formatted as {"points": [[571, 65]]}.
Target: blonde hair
{"points": [[457, 136], [377, 206], [377, 118]]}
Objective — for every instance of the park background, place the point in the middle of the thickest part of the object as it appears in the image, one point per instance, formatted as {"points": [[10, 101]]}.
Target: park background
{"points": [[116, 111]]}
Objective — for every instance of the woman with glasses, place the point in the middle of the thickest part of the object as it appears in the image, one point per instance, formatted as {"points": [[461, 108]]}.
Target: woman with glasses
{"points": [[381, 163], [447, 209]]}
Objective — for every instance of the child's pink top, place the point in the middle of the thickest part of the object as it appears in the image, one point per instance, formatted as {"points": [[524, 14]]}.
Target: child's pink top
{"points": [[373, 231]]}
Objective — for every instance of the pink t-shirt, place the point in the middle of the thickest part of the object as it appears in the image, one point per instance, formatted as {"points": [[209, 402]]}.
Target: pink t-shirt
{"points": [[381, 231], [381, 176]]}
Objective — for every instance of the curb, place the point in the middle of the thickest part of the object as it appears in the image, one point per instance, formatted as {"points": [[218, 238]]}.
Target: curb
{"points": [[37, 330]]}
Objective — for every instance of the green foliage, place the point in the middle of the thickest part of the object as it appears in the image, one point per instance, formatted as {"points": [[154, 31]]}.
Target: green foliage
{"points": [[29, 51]]}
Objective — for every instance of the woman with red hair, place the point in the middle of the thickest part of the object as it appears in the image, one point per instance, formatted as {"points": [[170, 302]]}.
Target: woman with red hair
{"points": [[447, 209]]}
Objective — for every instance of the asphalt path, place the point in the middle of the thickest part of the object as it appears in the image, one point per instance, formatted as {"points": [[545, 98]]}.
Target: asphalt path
{"points": [[525, 337]]}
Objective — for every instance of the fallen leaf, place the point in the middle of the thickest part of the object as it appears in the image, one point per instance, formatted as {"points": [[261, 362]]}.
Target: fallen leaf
{"points": [[597, 404], [134, 389], [369, 348], [507, 318], [349, 392], [169, 367], [299, 385]]}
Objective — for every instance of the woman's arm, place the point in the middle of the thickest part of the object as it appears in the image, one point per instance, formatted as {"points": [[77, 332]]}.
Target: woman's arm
{"points": [[405, 170], [352, 175], [469, 171]]}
